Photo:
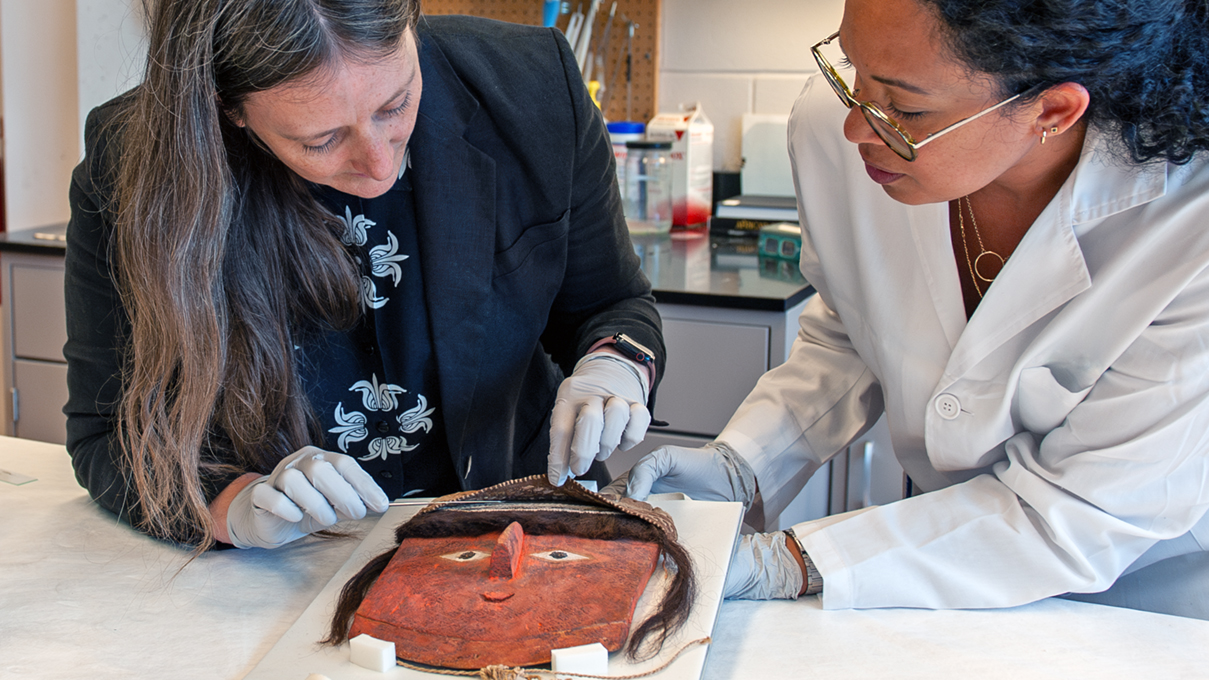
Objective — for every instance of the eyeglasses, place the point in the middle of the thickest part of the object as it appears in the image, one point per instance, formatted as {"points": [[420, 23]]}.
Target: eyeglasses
{"points": [[899, 140]]}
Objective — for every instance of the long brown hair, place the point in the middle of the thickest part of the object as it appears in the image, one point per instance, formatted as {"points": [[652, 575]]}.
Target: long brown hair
{"points": [[222, 255]]}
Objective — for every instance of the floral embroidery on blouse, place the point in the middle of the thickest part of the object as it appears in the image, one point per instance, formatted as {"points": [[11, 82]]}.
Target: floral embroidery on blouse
{"points": [[352, 427], [383, 259]]}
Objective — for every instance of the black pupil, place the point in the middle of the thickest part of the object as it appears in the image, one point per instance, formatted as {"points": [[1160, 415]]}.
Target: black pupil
{"points": [[558, 555], [466, 555]]}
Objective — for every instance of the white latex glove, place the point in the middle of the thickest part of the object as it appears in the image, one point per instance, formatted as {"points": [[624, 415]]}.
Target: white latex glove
{"points": [[600, 407], [762, 568], [713, 472], [309, 490]]}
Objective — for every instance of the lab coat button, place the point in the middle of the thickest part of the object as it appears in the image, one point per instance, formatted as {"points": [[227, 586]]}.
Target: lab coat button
{"points": [[948, 406]]}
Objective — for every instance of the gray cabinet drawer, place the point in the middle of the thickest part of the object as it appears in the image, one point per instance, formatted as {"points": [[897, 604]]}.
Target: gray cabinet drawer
{"points": [[711, 368], [40, 391], [39, 316]]}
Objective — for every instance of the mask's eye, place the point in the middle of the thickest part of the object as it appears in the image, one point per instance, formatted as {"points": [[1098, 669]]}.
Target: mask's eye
{"points": [[558, 556], [466, 556]]}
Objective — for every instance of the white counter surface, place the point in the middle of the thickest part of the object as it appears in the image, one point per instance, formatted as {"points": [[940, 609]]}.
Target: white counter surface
{"points": [[82, 596]]}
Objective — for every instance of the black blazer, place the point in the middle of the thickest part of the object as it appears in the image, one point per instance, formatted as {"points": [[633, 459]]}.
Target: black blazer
{"points": [[525, 254]]}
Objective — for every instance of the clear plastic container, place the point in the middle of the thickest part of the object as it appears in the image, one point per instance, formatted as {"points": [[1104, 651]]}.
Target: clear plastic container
{"points": [[620, 132], [647, 195]]}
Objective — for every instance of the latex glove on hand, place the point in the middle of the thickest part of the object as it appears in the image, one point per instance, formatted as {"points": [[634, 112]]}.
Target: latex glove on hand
{"points": [[714, 472], [600, 407], [309, 490], [763, 568]]}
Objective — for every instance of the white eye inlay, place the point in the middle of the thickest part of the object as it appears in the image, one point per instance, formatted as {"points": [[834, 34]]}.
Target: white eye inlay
{"points": [[466, 556], [558, 556]]}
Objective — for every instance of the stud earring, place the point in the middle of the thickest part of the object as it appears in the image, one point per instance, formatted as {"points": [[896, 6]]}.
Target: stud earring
{"points": [[1044, 132]]}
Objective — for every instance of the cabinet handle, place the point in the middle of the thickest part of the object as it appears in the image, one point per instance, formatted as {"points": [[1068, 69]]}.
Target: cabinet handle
{"points": [[16, 408]]}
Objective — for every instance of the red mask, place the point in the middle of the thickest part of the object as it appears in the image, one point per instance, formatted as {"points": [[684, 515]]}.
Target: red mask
{"points": [[505, 598]]}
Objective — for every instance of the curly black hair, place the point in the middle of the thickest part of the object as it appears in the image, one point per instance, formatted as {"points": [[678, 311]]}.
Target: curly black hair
{"points": [[1145, 63]]}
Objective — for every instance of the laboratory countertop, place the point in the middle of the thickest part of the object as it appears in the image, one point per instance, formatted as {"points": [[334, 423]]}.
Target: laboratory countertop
{"points": [[694, 269], [48, 240], [85, 596], [719, 271]]}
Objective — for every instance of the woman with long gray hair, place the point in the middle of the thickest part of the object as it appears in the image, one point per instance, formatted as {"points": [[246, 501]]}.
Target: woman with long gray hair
{"points": [[332, 252]]}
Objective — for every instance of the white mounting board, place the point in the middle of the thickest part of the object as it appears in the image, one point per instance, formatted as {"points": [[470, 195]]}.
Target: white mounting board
{"points": [[706, 529]]}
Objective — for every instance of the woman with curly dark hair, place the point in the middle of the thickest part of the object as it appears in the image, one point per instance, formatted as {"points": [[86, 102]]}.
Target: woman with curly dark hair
{"points": [[1011, 251]]}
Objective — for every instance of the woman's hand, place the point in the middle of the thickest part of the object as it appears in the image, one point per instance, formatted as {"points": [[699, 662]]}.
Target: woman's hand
{"points": [[765, 567], [309, 490], [599, 408], [713, 472]]}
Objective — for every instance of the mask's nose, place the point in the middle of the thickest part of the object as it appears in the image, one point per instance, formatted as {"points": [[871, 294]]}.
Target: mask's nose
{"points": [[506, 558]]}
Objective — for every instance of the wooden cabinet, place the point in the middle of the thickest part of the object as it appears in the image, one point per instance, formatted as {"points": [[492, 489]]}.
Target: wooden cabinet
{"points": [[34, 329]]}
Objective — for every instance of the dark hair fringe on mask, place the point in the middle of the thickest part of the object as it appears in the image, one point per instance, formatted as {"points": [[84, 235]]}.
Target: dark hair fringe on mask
{"points": [[630, 520]]}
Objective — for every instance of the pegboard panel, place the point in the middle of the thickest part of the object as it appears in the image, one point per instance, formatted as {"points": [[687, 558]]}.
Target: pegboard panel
{"points": [[642, 103]]}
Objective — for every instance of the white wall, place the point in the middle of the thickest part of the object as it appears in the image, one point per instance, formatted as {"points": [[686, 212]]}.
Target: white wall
{"points": [[111, 46], [739, 57], [58, 59], [41, 129]]}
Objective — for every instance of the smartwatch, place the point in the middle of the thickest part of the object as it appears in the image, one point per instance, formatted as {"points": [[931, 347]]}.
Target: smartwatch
{"points": [[632, 349], [636, 351]]}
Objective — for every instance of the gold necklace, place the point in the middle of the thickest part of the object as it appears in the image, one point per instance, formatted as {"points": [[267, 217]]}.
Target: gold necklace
{"points": [[974, 264]]}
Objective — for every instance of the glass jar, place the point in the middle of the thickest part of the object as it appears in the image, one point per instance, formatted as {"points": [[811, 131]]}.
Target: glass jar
{"points": [[621, 132], [647, 195]]}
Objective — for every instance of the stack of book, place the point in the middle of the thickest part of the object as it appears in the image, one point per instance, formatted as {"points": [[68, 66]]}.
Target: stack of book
{"points": [[745, 214]]}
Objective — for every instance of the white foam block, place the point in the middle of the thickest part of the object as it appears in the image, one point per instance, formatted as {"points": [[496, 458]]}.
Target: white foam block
{"points": [[372, 653], [590, 659]]}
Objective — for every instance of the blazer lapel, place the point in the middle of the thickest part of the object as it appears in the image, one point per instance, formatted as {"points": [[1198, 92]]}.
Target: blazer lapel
{"points": [[454, 187]]}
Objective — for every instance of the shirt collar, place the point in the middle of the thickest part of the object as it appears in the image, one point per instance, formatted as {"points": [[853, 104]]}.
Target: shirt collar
{"points": [[1105, 183]]}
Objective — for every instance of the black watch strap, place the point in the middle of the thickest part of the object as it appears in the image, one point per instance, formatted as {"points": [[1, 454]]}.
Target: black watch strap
{"points": [[632, 349]]}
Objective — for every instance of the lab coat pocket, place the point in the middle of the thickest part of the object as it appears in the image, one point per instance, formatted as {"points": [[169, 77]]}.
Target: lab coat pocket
{"points": [[1043, 402], [537, 243]]}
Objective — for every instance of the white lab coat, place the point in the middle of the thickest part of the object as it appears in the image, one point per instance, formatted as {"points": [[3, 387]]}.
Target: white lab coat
{"points": [[1061, 434]]}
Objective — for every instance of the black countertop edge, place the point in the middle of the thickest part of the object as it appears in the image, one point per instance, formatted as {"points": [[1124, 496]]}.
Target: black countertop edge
{"points": [[28, 241], [760, 304], [50, 248], [24, 241]]}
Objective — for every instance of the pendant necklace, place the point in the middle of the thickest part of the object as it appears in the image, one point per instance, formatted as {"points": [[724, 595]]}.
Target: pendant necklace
{"points": [[978, 262]]}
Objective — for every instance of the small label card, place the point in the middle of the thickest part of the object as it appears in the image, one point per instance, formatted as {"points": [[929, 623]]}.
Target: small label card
{"points": [[15, 477]]}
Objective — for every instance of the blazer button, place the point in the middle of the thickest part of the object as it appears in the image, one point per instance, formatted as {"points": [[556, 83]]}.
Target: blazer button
{"points": [[948, 406], [382, 426]]}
